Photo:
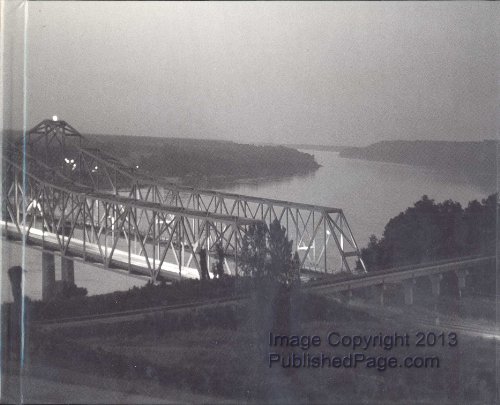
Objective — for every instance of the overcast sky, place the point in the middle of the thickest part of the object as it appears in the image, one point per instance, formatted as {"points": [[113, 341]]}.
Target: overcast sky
{"points": [[331, 73]]}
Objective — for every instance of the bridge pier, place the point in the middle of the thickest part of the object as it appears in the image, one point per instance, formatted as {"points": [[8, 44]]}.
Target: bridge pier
{"points": [[408, 288], [461, 275], [67, 270], [48, 275], [436, 284]]}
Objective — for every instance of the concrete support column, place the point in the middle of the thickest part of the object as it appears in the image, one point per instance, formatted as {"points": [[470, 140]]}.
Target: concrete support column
{"points": [[408, 287], [48, 275], [67, 270], [436, 284], [461, 275]]}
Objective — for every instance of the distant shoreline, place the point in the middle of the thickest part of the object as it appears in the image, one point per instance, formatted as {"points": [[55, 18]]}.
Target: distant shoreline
{"points": [[305, 146], [477, 161], [198, 160], [224, 182]]}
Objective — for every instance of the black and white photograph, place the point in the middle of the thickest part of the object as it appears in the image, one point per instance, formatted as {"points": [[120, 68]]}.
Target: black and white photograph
{"points": [[249, 202]]}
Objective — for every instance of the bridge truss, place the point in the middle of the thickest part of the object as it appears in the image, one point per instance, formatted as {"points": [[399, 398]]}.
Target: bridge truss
{"points": [[83, 201]]}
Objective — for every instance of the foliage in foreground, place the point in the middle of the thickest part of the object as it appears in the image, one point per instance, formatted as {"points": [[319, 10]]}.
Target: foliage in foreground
{"points": [[135, 298], [431, 231], [220, 352], [267, 253]]}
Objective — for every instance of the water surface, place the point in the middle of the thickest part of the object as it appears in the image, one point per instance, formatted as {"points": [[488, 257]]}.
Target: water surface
{"points": [[370, 193]]}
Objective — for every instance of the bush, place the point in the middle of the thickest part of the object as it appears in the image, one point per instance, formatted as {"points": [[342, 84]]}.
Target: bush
{"points": [[135, 298]]}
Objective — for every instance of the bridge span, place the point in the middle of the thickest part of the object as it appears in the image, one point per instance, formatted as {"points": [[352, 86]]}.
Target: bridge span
{"points": [[322, 235], [407, 277]]}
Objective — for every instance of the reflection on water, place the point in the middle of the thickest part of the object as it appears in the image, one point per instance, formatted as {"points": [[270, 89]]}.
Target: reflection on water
{"points": [[228, 183]]}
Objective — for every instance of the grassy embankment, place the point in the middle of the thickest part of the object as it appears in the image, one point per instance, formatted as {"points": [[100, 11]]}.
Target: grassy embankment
{"points": [[223, 352]]}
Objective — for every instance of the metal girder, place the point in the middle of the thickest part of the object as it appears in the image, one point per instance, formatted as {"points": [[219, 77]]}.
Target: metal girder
{"points": [[118, 231]]}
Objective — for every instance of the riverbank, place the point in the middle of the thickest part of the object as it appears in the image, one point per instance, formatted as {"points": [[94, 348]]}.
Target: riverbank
{"points": [[206, 158], [475, 160]]}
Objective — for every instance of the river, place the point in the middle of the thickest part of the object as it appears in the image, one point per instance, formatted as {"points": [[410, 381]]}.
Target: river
{"points": [[370, 193]]}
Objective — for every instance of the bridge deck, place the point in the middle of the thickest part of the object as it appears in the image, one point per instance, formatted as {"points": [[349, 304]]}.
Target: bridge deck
{"points": [[138, 263], [91, 253]]}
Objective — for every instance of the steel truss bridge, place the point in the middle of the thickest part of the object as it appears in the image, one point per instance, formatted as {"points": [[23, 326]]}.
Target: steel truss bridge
{"points": [[64, 195]]}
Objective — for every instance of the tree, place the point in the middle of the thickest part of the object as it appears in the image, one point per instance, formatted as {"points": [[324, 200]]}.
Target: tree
{"points": [[203, 265], [370, 254], [429, 231], [280, 253], [268, 254], [254, 251], [294, 274], [218, 268]]}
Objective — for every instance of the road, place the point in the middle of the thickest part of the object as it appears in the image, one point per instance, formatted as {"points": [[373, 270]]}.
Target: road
{"points": [[90, 253]]}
